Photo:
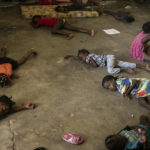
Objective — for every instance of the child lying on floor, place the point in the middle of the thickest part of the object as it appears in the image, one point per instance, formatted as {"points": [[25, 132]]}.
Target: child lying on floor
{"points": [[129, 87], [57, 24], [131, 137], [8, 65], [7, 106], [73, 7], [107, 61], [120, 15]]}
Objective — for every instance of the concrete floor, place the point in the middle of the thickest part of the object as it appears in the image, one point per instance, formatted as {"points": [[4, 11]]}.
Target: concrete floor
{"points": [[68, 94]]}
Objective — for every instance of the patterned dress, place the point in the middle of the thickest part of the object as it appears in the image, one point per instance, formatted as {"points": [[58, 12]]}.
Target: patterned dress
{"points": [[142, 89]]}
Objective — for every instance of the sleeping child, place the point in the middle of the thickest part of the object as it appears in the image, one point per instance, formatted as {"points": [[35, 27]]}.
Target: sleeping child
{"points": [[56, 24], [113, 66], [7, 106], [8, 65], [129, 87], [131, 137]]}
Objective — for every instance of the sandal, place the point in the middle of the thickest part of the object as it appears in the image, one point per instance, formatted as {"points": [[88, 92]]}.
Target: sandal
{"points": [[72, 138]]}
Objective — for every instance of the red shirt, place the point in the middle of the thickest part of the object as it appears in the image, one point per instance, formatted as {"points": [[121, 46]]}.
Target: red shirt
{"points": [[46, 2], [48, 21]]}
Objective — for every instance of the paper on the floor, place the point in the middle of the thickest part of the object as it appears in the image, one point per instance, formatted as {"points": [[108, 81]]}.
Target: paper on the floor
{"points": [[111, 31]]}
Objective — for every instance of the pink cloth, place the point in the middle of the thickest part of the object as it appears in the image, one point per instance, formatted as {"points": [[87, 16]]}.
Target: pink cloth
{"points": [[48, 21], [46, 2], [137, 47]]}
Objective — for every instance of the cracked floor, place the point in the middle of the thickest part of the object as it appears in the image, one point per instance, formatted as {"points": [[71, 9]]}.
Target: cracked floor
{"points": [[68, 94]]}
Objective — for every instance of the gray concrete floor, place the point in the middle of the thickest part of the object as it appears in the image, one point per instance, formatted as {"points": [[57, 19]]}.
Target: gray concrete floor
{"points": [[68, 94]]}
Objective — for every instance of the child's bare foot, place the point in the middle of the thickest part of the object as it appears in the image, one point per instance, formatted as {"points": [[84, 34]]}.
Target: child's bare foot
{"points": [[147, 67], [29, 106], [92, 33], [70, 36], [130, 71]]}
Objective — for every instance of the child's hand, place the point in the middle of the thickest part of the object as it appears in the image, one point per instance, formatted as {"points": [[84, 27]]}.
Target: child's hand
{"points": [[68, 56], [29, 106], [143, 139]]}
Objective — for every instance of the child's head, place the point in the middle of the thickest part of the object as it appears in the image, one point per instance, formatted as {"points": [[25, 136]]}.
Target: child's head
{"points": [[129, 19], [4, 80], [34, 22], [146, 27], [109, 82], [115, 142], [82, 54], [6, 105]]}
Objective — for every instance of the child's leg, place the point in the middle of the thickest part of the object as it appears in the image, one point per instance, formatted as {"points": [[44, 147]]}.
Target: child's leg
{"points": [[23, 59], [111, 64], [57, 27], [3, 52], [73, 28], [124, 64], [146, 67], [145, 101], [110, 13]]}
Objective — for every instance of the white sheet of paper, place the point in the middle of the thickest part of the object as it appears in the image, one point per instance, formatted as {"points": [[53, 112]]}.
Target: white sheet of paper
{"points": [[111, 31]]}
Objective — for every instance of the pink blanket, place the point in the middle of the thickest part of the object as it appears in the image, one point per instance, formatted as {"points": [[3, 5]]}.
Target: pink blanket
{"points": [[137, 47]]}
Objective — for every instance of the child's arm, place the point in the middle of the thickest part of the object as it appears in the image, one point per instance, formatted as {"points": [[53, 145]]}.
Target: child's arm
{"points": [[127, 93], [93, 62], [23, 107], [117, 18], [134, 82], [146, 39], [71, 56]]}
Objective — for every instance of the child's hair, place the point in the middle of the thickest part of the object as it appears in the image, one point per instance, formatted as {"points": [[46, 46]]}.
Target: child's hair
{"points": [[109, 142], [146, 27], [83, 51], [108, 78], [40, 148], [112, 143], [35, 20], [4, 80], [7, 101], [129, 19]]}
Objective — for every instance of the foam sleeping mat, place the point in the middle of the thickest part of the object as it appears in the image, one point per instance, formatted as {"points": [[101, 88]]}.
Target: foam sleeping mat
{"points": [[49, 11]]}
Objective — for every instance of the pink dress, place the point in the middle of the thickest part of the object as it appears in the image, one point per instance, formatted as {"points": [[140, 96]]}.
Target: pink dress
{"points": [[137, 47]]}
